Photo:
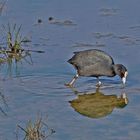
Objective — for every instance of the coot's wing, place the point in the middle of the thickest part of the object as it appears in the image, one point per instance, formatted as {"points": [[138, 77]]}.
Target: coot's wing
{"points": [[90, 57]]}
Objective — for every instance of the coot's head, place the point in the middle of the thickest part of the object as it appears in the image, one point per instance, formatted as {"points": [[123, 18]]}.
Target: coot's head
{"points": [[121, 71]]}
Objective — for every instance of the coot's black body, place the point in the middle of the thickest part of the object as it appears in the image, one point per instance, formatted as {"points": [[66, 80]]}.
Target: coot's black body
{"points": [[92, 63], [96, 63]]}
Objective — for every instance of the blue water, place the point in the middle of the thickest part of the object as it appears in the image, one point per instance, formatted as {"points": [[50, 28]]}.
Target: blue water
{"points": [[39, 88]]}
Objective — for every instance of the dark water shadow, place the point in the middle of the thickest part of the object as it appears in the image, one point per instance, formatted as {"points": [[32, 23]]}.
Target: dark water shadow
{"points": [[97, 104]]}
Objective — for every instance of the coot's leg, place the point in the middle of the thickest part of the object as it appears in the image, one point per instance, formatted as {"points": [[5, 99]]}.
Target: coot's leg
{"points": [[98, 82], [72, 81]]}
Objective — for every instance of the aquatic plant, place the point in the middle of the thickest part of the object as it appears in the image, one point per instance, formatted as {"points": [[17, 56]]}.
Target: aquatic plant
{"points": [[36, 130], [12, 48], [3, 104]]}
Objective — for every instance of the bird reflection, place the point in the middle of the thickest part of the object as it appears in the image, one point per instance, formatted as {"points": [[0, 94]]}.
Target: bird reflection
{"points": [[97, 105]]}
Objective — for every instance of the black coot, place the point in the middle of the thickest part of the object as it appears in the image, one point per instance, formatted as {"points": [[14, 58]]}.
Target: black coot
{"points": [[96, 63]]}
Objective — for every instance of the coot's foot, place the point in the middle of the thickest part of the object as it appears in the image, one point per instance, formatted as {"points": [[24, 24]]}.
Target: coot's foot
{"points": [[98, 84], [68, 85]]}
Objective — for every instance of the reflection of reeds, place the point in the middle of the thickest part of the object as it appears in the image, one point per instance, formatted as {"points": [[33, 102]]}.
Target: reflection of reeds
{"points": [[36, 130], [3, 101], [2, 5]]}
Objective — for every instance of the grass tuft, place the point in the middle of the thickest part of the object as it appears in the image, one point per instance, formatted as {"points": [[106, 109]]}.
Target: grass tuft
{"points": [[36, 130], [12, 49]]}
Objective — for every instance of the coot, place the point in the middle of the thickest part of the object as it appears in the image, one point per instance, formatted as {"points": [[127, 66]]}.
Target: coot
{"points": [[96, 63]]}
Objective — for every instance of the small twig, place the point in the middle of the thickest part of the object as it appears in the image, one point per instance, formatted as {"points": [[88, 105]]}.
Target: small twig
{"points": [[17, 33], [3, 99], [3, 111], [22, 129]]}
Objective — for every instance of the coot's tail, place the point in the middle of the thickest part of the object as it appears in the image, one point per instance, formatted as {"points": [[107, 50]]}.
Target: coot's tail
{"points": [[70, 61]]}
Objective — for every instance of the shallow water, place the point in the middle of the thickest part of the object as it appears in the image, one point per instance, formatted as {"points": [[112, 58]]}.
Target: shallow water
{"points": [[39, 88]]}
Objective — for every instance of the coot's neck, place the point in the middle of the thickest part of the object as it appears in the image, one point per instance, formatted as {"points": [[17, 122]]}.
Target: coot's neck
{"points": [[113, 70], [116, 69]]}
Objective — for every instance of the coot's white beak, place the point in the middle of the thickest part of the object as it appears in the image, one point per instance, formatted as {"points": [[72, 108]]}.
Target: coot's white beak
{"points": [[124, 78]]}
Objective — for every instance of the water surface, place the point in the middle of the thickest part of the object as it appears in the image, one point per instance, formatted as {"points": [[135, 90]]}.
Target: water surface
{"points": [[106, 25]]}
